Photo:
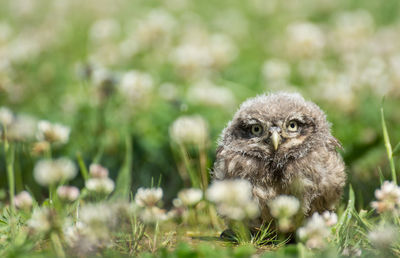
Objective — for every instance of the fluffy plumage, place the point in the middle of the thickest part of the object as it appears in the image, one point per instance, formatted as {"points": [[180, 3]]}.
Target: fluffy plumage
{"points": [[282, 144]]}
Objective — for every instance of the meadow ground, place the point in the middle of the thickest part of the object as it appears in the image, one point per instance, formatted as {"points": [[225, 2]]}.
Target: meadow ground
{"points": [[110, 113]]}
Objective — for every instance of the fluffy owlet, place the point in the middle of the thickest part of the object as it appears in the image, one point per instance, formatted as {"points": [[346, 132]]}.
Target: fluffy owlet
{"points": [[282, 144]]}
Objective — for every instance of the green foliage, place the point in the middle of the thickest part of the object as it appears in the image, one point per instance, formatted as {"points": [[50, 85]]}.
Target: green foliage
{"points": [[66, 61]]}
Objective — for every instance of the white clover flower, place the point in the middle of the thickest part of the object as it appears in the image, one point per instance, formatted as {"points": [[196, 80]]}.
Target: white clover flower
{"points": [[68, 193], [23, 200], [336, 88], [98, 171], [98, 215], [315, 232], [85, 239], [192, 58], [73, 232], [156, 27], [168, 91], [199, 53], [233, 199], [50, 172], [384, 237], [189, 130], [330, 218], [305, 39], [222, 49], [177, 203], [104, 30], [40, 220], [23, 128], [101, 77], [206, 93], [152, 214], [53, 133], [23, 48], [190, 197], [103, 185], [6, 116], [352, 29], [148, 197], [5, 32], [388, 197], [275, 70], [351, 251], [135, 85], [284, 206]]}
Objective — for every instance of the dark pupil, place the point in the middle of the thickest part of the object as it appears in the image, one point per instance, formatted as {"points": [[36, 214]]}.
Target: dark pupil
{"points": [[292, 125], [256, 128]]}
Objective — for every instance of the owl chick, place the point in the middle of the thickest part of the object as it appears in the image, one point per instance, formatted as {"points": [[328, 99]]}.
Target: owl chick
{"points": [[282, 144]]}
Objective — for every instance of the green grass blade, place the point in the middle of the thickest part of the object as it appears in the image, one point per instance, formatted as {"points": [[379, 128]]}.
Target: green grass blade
{"points": [[388, 147], [123, 182], [396, 150], [82, 166], [381, 177]]}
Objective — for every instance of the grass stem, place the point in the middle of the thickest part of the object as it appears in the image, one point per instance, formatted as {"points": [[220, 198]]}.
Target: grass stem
{"points": [[388, 147]]}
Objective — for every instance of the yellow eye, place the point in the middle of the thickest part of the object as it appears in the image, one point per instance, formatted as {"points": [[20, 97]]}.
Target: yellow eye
{"points": [[292, 126], [256, 129]]}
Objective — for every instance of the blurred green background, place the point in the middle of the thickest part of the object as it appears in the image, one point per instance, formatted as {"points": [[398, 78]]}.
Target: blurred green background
{"points": [[109, 69]]}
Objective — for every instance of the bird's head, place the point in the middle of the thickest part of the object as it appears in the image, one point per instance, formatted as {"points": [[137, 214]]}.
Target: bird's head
{"points": [[276, 128]]}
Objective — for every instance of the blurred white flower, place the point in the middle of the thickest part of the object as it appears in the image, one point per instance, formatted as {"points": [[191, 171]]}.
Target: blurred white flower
{"points": [[96, 224], [155, 28], [315, 232], [135, 85], [101, 77], [23, 200], [388, 197], [5, 32], [168, 91], [103, 185], [222, 49], [98, 171], [189, 130], [352, 29], [275, 70], [68, 193], [23, 128], [191, 59], [41, 220], [177, 203], [148, 197], [336, 88], [51, 172], [330, 218], [305, 40], [53, 133], [6, 116], [152, 214], [190, 197], [376, 75], [199, 53], [233, 199], [72, 232], [351, 251], [206, 93], [23, 48], [384, 237], [104, 30], [98, 215], [128, 48], [23, 7], [284, 206]]}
